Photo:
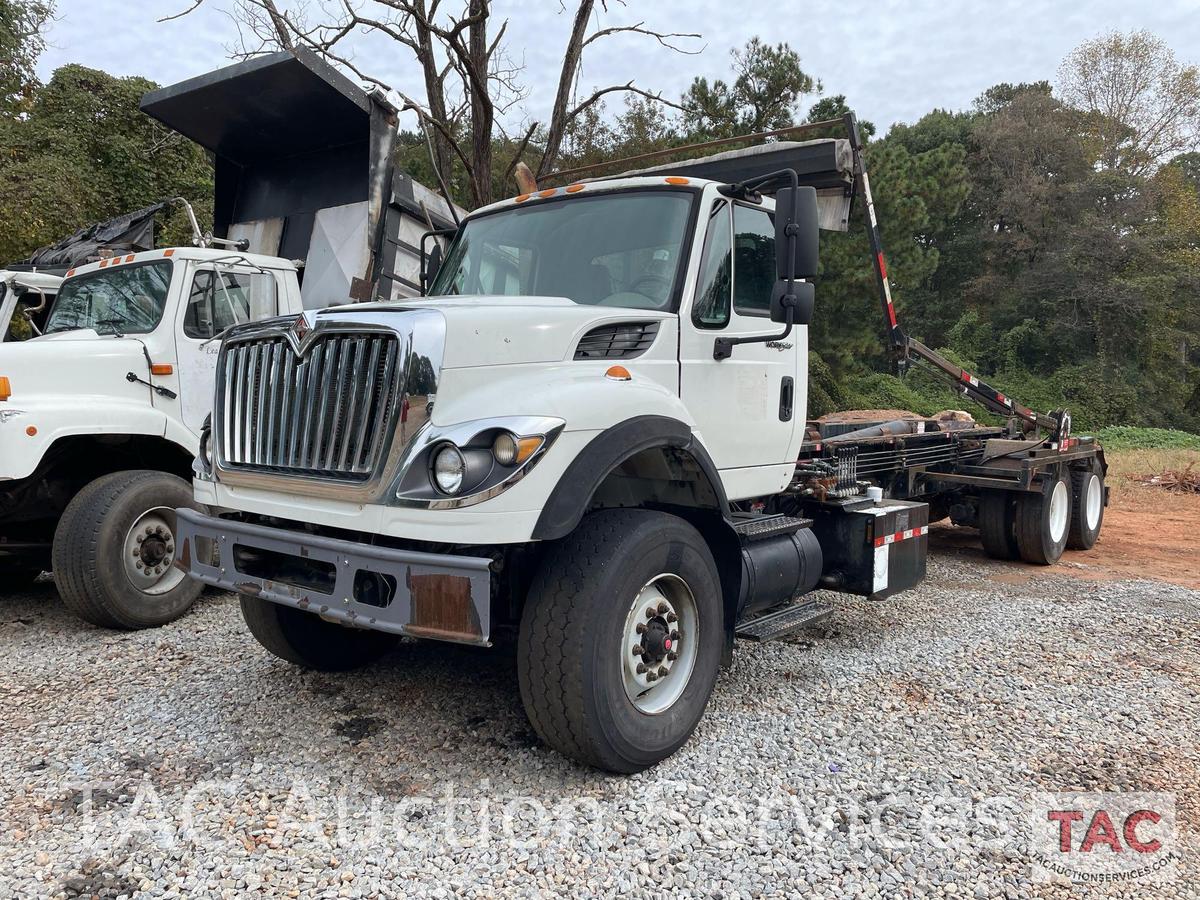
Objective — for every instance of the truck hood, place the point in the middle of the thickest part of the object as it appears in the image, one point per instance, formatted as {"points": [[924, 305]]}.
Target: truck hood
{"points": [[492, 331], [74, 364]]}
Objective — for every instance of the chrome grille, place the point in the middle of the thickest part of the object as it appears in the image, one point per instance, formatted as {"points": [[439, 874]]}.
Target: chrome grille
{"points": [[326, 413]]}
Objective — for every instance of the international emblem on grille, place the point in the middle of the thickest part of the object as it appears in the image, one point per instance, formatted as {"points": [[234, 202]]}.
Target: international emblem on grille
{"points": [[299, 330]]}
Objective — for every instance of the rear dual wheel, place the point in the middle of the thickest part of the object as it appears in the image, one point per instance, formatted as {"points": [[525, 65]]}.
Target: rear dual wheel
{"points": [[1043, 521], [1087, 517]]}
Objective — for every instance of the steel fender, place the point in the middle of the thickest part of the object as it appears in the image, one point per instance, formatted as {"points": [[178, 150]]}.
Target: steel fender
{"points": [[579, 394], [57, 418], [569, 500]]}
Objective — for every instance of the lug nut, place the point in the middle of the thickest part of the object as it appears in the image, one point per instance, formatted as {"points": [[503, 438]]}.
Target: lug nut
{"points": [[671, 617], [641, 668], [674, 635], [136, 554], [641, 629], [662, 608], [672, 656], [662, 671], [651, 676], [638, 650], [139, 564], [140, 538], [650, 613], [149, 530]]}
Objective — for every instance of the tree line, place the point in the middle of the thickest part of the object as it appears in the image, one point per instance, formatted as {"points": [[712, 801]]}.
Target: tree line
{"points": [[1048, 237]]}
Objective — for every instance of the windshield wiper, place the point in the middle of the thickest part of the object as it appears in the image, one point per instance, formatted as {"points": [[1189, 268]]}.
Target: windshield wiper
{"points": [[114, 322]]}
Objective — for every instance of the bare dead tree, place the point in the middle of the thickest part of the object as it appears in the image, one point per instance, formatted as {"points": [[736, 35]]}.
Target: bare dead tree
{"points": [[470, 83]]}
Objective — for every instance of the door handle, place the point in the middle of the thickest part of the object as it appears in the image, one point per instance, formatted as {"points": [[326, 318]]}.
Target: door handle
{"points": [[787, 390]]}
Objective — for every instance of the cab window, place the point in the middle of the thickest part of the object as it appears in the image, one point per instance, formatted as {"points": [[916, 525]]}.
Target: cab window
{"points": [[754, 260], [714, 288], [219, 299]]}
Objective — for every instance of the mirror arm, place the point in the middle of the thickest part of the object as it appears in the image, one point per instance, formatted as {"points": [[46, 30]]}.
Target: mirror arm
{"points": [[723, 346]]}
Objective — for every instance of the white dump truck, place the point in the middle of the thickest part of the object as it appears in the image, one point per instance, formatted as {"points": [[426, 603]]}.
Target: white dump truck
{"points": [[590, 437], [101, 413]]}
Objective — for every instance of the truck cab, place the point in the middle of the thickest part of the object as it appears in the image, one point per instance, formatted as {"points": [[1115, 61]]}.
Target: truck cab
{"points": [[25, 297], [101, 414]]}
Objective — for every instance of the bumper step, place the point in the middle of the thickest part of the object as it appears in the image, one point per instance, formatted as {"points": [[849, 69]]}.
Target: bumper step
{"points": [[783, 622]]}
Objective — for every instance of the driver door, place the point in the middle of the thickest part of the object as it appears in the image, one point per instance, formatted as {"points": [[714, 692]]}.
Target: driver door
{"points": [[216, 298], [746, 407]]}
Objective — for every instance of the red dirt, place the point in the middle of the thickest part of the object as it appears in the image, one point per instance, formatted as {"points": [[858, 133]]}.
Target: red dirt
{"points": [[1148, 533]]}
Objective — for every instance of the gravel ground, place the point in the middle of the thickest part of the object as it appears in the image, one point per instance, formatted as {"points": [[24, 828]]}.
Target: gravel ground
{"points": [[894, 753]]}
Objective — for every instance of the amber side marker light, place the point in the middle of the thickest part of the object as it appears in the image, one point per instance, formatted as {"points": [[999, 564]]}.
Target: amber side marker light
{"points": [[618, 373], [161, 369], [5, 387], [575, 188], [31, 430], [675, 179]]}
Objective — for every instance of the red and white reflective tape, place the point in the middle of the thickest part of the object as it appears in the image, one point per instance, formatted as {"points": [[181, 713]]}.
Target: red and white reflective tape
{"points": [[901, 536]]}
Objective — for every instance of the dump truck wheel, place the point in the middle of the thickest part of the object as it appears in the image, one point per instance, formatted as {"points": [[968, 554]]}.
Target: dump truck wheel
{"points": [[997, 525], [306, 640], [114, 550], [621, 639], [1087, 515], [1043, 521]]}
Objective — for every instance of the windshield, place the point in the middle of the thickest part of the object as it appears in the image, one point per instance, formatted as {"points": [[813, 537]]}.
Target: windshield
{"points": [[605, 250], [123, 300]]}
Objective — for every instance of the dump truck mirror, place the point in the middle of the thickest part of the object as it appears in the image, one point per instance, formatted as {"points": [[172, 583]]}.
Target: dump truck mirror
{"points": [[433, 262], [796, 217], [803, 297]]}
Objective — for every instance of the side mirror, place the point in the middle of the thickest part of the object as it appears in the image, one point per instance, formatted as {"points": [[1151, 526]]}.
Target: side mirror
{"points": [[797, 206], [433, 262], [804, 296]]}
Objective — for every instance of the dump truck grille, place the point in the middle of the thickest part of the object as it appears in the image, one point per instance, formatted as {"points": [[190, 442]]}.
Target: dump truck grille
{"points": [[620, 340], [324, 414]]}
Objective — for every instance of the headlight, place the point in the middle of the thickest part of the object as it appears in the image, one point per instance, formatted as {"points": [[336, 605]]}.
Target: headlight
{"points": [[449, 467]]}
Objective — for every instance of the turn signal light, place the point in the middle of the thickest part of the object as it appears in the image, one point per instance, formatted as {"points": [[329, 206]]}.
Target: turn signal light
{"points": [[5, 388], [161, 369], [618, 373]]}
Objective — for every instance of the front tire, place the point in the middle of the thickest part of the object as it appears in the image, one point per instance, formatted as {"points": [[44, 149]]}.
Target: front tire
{"points": [[1043, 521], [576, 661], [114, 550], [303, 639]]}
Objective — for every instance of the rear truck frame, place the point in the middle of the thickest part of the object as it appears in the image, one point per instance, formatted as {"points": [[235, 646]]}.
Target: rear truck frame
{"points": [[589, 437]]}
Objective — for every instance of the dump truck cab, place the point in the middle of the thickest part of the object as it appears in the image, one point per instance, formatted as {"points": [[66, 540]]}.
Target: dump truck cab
{"points": [[25, 298]]}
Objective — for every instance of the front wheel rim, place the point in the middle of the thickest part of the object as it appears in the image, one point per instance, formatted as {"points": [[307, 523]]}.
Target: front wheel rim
{"points": [[149, 552], [1094, 502], [659, 644], [1059, 506]]}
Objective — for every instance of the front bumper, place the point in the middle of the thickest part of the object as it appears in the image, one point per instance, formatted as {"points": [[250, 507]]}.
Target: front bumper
{"points": [[426, 595]]}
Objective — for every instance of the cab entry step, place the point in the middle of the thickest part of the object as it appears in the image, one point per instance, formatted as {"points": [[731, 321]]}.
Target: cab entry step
{"points": [[783, 622]]}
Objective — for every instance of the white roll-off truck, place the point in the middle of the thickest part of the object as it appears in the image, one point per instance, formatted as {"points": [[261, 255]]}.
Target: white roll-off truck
{"points": [[590, 436]]}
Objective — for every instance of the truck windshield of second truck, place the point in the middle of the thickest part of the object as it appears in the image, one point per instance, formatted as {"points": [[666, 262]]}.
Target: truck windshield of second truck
{"points": [[620, 249], [123, 300]]}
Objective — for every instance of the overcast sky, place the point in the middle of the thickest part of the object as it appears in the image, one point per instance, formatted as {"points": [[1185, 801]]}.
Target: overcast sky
{"points": [[893, 59]]}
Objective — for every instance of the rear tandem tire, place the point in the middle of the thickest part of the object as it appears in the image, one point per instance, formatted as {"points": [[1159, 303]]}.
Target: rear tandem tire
{"points": [[304, 639], [1087, 515], [583, 619], [997, 524], [1043, 522], [91, 558]]}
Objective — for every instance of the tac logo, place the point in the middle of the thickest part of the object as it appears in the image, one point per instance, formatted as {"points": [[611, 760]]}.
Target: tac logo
{"points": [[1104, 837]]}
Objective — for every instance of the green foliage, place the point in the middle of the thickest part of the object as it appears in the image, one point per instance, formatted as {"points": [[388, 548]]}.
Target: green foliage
{"points": [[21, 43], [83, 153], [1128, 437]]}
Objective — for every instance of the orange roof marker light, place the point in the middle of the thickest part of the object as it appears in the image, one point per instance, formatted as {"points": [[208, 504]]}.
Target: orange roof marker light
{"points": [[575, 188], [521, 198], [676, 179], [170, 252], [161, 369], [618, 373], [5, 387], [548, 192], [129, 258]]}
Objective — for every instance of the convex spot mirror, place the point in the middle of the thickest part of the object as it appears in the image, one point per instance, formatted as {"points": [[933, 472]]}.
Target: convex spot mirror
{"points": [[797, 206], [805, 294]]}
